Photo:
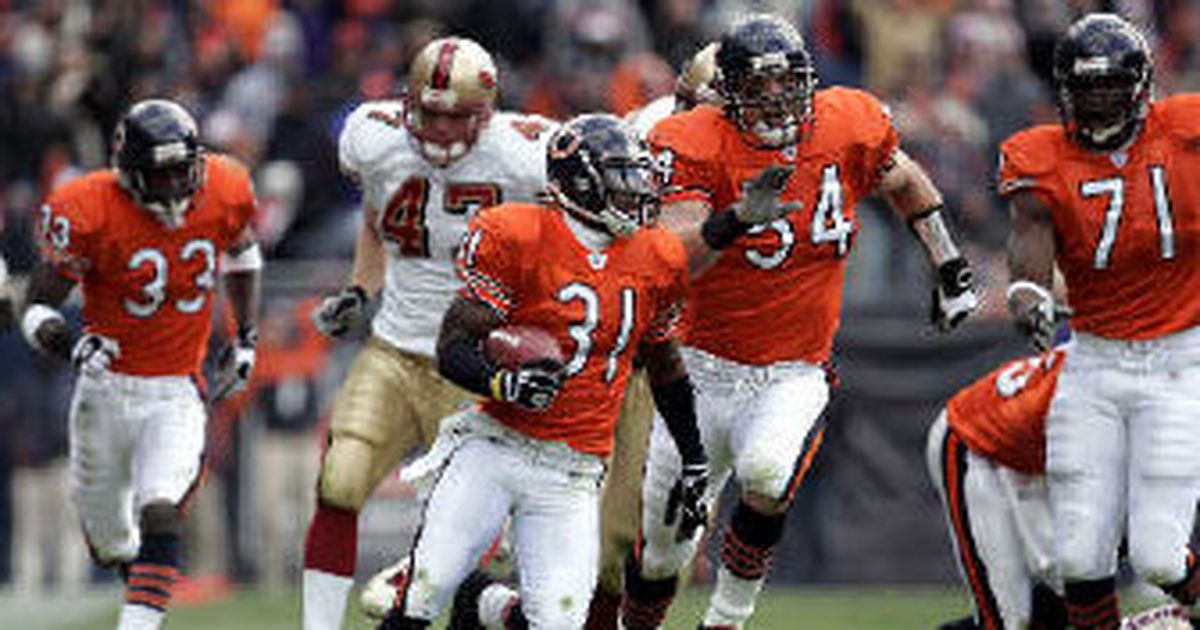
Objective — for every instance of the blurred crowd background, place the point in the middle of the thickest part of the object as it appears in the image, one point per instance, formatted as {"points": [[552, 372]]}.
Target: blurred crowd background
{"points": [[271, 81]]}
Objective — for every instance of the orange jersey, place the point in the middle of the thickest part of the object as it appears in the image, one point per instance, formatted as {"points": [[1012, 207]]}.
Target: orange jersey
{"points": [[1002, 416], [524, 262], [775, 294], [145, 285], [1127, 224]]}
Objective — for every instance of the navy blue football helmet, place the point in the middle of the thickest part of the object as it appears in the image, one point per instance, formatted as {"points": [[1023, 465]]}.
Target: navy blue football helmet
{"points": [[766, 80], [601, 172], [157, 155], [1102, 78]]}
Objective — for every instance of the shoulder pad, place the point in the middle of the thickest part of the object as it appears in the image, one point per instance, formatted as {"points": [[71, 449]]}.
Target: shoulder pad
{"points": [[514, 222], [860, 114], [1028, 156], [696, 133], [371, 133], [1181, 115]]}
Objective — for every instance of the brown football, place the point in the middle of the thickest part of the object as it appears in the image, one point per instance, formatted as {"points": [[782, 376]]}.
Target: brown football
{"points": [[511, 347]]}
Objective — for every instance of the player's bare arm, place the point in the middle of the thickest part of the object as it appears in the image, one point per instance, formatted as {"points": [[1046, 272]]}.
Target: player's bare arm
{"points": [[911, 193], [461, 360], [43, 326], [243, 279], [241, 266], [1031, 252], [686, 219], [369, 255], [340, 312]]}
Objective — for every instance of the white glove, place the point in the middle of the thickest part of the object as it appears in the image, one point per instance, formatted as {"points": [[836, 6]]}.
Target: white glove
{"points": [[340, 312], [1035, 313], [760, 199], [235, 365], [93, 353]]}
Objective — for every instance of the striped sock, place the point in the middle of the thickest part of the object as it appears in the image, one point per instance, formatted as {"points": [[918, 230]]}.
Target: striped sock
{"points": [[152, 577], [1093, 605]]}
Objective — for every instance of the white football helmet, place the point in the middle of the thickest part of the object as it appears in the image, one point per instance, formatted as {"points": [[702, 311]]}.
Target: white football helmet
{"points": [[452, 90]]}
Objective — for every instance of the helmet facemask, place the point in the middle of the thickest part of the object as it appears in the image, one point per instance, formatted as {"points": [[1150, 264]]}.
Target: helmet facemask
{"points": [[1103, 110], [166, 190], [773, 102], [158, 159], [443, 136], [613, 186], [1103, 81]]}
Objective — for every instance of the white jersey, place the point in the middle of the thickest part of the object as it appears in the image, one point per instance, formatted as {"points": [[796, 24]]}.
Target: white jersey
{"points": [[644, 118], [422, 210]]}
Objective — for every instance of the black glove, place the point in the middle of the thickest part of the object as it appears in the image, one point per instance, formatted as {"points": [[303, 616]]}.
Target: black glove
{"points": [[533, 385], [340, 312], [686, 503], [954, 296]]}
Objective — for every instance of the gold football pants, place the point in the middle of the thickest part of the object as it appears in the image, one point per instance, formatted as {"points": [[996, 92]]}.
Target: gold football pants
{"points": [[390, 405]]}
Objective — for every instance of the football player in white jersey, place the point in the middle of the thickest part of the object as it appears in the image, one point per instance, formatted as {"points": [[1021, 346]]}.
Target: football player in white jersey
{"points": [[426, 164]]}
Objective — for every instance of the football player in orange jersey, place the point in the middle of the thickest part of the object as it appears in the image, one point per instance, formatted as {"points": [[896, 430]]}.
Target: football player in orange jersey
{"points": [[145, 241], [426, 164], [985, 456], [763, 310], [1110, 195], [590, 271]]}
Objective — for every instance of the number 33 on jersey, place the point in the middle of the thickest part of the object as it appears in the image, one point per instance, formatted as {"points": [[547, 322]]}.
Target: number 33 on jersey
{"points": [[147, 286]]}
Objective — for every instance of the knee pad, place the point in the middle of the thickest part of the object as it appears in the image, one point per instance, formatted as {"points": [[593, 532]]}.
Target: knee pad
{"points": [[347, 477]]}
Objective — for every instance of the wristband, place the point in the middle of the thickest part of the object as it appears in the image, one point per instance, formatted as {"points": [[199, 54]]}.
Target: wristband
{"points": [[721, 228]]}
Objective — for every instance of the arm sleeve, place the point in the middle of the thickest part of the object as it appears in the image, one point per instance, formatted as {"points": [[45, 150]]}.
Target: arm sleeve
{"points": [[487, 264], [240, 198], [687, 177], [1020, 168], [64, 234]]}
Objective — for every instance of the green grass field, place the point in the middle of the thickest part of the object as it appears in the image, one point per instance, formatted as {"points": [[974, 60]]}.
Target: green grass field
{"points": [[901, 608]]}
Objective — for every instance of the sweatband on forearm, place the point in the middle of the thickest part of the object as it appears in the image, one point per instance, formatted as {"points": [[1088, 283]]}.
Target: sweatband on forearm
{"points": [[931, 230], [462, 362]]}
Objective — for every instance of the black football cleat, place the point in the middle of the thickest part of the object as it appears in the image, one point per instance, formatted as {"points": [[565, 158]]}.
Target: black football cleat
{"points": [[464, 615]]}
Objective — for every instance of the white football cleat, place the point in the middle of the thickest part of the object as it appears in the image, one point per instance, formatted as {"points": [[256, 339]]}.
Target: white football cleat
{"points": [[1165, 617], [379, 595]]}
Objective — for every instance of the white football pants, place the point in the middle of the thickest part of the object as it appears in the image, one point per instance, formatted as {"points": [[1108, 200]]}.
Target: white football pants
{"points": [[999, 523], [134, 441], [553, 496], [1123, 453], [760, 423]]}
